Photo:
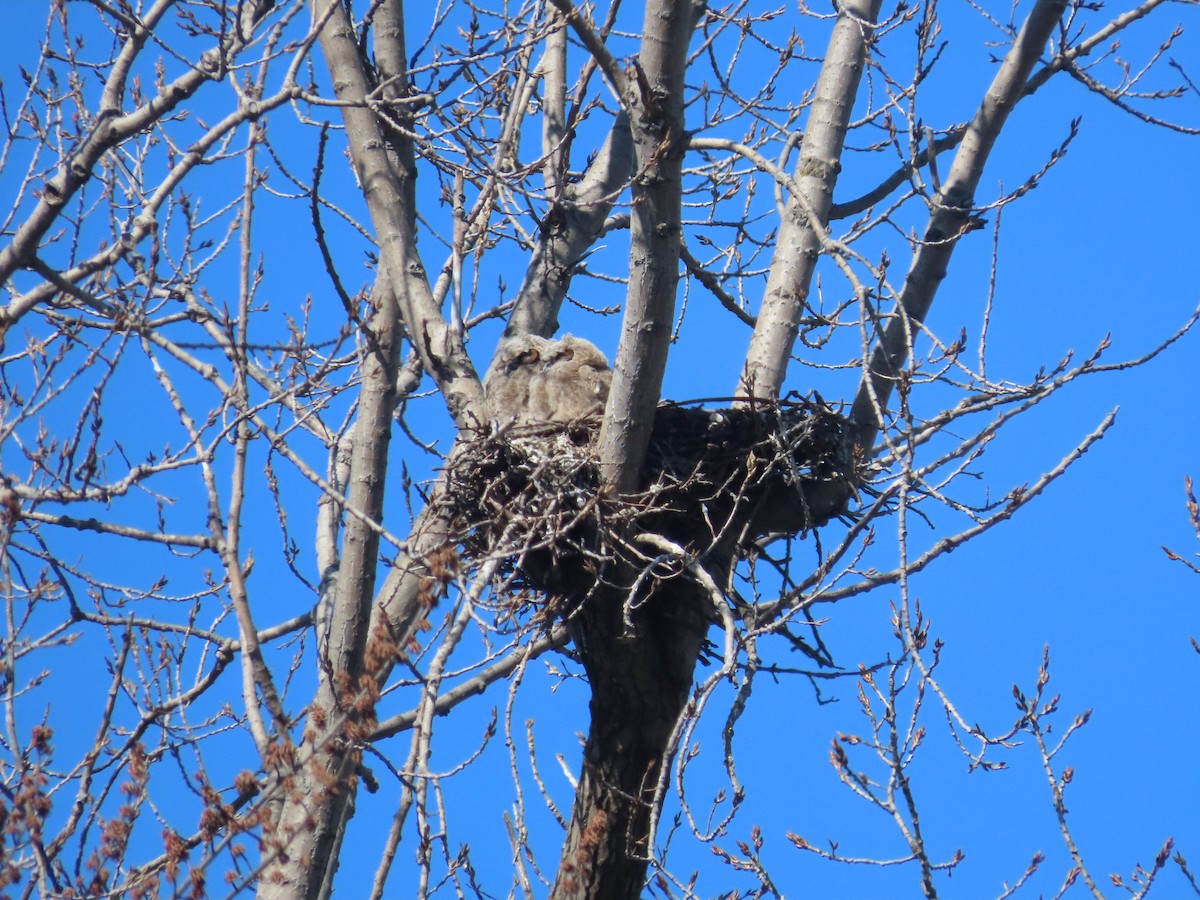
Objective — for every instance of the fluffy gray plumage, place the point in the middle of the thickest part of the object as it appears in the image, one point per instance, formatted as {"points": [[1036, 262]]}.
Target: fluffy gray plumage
{"points": [[507, 382], [532, 379], [573, 382]]}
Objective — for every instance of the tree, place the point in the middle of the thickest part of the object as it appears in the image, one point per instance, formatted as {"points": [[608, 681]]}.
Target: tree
{"points": [[184, 310]]}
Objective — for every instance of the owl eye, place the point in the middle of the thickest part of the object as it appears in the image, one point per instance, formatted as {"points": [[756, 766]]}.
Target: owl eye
{"points": [[528, 357]]}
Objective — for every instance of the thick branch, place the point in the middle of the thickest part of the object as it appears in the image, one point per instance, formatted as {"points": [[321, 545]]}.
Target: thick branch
{"points": [[311, 822], [393, 73], [654, 101], [798, 245], [570, 227], [640, 670], [949, 219], [439, 346]]}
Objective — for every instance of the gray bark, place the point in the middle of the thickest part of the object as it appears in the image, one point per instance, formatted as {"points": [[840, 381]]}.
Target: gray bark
{"points": [[950, 219], [439, 346], [318, 799], [319, 803], [571, 225], [798, 245], [653, 98]]}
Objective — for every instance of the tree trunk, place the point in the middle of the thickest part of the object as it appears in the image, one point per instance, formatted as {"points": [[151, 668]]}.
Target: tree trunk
{"points": [[640, 670]]}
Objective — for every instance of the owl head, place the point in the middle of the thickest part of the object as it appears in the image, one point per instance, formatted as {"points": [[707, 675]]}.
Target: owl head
{"points": [[506, 385]]}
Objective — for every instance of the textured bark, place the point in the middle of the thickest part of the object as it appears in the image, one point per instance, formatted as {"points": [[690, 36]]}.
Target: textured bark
{"points": [[654, 100], [318, 798], [640, 673], [439, 346], [392, 66], [805, 219], [639, 664], [950, 219]]}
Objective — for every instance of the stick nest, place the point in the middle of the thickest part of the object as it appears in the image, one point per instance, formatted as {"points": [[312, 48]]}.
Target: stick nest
{"points": [[713, 478]]}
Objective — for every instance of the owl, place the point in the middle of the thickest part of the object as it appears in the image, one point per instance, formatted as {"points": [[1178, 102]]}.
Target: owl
{"points": [[507, 383], [572, 382]]}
